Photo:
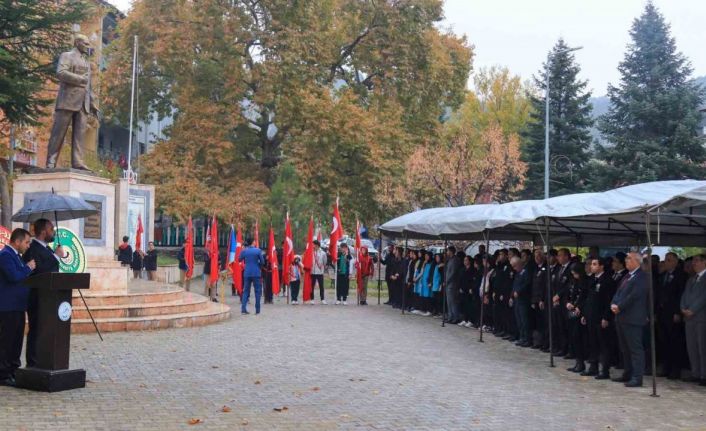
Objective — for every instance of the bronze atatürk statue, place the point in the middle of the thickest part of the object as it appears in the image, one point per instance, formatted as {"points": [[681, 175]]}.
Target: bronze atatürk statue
{"points": [[74, 103]]}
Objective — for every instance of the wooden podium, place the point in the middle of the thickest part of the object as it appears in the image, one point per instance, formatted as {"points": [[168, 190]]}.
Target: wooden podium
{"points": [[52, 372]]}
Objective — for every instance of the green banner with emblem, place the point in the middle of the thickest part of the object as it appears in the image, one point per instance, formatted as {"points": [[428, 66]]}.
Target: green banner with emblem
{"points": [[75, 260]]}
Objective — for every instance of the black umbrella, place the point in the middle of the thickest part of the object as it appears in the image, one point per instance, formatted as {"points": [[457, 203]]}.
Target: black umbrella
{"points": [[53, 206]]}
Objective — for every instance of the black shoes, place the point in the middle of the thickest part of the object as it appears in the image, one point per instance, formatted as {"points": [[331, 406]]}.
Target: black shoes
{"points": [[602, 376], [592, 371], [569, 356], [244, 313], [10, 381], [621, 379], [634, 384]]}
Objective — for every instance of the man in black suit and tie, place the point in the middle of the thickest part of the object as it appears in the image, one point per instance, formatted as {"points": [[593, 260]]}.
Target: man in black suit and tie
{"points": [[561, 282], [630, 308], [46, 260], [671, 339], [599, 319]]}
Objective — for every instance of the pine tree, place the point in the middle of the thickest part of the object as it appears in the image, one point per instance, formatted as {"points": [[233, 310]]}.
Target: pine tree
{"points": [[651, 126], [569, 124]]}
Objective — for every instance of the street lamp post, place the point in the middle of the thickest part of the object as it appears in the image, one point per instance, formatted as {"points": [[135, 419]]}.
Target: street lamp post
{"points": [[546, 121]]}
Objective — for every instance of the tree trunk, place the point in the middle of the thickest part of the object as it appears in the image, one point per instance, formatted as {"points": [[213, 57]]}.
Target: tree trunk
{"points": [[5, 200]]}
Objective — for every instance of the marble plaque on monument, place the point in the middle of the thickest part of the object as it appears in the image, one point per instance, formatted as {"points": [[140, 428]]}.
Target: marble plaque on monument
{"points": [[92, 224]]}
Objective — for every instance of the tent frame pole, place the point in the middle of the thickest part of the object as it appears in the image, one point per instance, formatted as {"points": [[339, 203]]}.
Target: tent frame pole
{"points": [[650, 283], [379, 265], [483, 283], [550, 302], [404, 282], [444, 306]]}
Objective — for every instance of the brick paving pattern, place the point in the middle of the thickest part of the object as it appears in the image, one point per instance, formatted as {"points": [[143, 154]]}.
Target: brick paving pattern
{"points": [[336, 368]]}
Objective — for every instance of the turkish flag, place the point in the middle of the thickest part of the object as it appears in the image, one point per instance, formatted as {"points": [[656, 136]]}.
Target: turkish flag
{"points": [[272, 257], [336, 234], [287, 252], [308, 261], [189, 250], [358, 255], [213, 251], [138, 234], [237, 266]]}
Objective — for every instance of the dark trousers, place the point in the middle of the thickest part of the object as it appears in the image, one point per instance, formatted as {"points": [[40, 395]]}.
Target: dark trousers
{"points": [[578, 338], [559, 328], [33, 322], [633, 350], [247, 282], [600, 345], [12, 328], [521, 308], [317, 278], [342, 287], [294, 285], [539, 326], [671, 345]]}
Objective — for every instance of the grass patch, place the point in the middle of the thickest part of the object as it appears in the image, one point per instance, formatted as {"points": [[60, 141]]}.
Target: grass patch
{"points": [[163, 260]]}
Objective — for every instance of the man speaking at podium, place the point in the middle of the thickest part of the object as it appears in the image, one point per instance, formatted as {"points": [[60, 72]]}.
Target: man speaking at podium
{"points": [[47, 260], [13, 303]]}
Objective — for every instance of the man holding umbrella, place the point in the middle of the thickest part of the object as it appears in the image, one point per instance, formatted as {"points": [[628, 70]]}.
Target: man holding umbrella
{"points": [[38, 212], [47, 260]]}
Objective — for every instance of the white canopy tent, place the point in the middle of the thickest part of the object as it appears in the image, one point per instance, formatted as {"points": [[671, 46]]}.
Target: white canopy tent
{"points": [[664, 212], [677, 210]]}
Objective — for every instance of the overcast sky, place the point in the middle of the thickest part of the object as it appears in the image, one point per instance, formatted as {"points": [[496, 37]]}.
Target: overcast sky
{"points": [[519, 33]]}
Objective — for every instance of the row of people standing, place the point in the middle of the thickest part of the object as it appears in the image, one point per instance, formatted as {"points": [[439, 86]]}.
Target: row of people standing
{"points": [[599, 306]]}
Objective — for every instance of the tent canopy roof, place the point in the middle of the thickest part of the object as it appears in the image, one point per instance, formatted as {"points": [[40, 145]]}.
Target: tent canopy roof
{"points": [[677, 211]]}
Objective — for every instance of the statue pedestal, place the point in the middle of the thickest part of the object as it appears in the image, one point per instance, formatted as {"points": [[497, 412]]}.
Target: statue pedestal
{"points": [[100, 233]]}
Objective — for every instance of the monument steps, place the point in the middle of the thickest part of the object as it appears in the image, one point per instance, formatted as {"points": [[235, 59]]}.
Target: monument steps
{"points": [[187, 304], [146, 305], [212, 313]]}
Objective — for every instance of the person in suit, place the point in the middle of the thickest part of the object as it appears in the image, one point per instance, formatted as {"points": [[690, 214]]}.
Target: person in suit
{"points": [[575, 301], [561, 281], [452, 278], [539, 299], [521, 297], [254, 260], [671, 341], [598, 320], [47, 260], [693, 307], [74, 103], [630, 308], [13, 303]]}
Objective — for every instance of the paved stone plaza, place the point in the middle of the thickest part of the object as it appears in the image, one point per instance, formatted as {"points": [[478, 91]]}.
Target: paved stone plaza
{"points": [[334, 367]]}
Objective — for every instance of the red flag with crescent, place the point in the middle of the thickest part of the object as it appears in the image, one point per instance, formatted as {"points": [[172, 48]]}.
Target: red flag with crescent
{"points": [[272, 257]]}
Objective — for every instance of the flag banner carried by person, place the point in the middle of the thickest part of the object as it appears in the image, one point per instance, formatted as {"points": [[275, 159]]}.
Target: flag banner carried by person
{"points": [[237, 266], [336, 234], [358, 263], [308, 260], [138, 233], [232, 263], [213, 251], [287, 252], [272, 257], [189, 250]]}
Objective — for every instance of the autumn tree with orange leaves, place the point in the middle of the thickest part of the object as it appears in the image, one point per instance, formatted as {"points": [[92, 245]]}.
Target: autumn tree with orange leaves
{"points": [[342, 90], [477, 159]]}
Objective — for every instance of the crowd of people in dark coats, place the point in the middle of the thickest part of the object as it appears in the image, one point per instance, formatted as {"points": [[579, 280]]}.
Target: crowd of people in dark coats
{"points": [[138, 260], [600, 314]]}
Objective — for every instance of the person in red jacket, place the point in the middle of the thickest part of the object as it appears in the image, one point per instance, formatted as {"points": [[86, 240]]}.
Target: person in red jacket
{"points": [[364, 270]]}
